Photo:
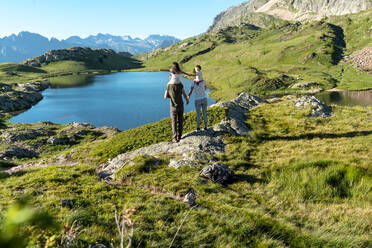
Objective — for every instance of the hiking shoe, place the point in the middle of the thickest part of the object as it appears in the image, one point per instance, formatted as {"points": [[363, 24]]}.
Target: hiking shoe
{"points": [[205, 129], [198, 130]]}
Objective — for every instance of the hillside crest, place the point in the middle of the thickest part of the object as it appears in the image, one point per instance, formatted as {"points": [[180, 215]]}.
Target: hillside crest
{"points": [[264, 13]]}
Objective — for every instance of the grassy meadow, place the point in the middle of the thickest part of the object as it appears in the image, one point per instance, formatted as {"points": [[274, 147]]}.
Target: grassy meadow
{"points": [[300, 181]]}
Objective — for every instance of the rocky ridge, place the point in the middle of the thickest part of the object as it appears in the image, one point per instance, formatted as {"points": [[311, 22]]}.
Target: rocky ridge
{"points": [[294, 10], [18, 97], [75, 53]]}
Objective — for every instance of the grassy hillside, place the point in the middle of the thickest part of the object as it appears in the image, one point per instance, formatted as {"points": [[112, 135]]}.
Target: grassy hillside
{"points": [[55, 72], [303, 182], [269, 61]]}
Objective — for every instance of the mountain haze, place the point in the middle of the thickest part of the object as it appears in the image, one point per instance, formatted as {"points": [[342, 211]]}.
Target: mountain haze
{"points": [[16, 48]]}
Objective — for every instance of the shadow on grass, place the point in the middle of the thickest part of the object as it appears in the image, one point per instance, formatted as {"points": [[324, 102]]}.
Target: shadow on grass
{"points": [[310, 136], [246, 178]]}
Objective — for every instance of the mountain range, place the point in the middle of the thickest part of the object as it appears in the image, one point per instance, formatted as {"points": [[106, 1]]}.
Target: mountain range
{"points": [[16, 48], [266, 13]]}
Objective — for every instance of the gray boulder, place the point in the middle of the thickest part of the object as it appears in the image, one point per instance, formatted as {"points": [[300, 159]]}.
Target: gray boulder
{"points": [[59, 140], [81, 125], [190, 197], [319, 109], [5, 87], [17, 152], [14, 135], [174, 163], [304, 85], [217, 173], [236, 110]]}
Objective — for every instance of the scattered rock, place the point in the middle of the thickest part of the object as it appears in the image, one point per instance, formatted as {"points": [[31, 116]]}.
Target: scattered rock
{"points": [[68, 203], [107, 131], [13, 135], [319, 109], [217, 173], [236, 110], [309, 57], [81, 125], [23, 98], [33, 86], [181, 163], [5, 87], [183, 45], [289, 97], [362, 59], [274, 100], [304, 85], [190, 197], [59, 141], [10, 73], [17, 152]]}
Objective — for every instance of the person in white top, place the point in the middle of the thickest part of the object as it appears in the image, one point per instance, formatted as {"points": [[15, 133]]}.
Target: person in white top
{"points": [[199, 87]]}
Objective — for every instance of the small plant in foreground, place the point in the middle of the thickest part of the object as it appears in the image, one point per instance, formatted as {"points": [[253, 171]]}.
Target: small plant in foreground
{"points": [[125, 226]]}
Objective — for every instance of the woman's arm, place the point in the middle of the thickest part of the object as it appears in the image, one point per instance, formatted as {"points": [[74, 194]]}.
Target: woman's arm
{"points": [[185, 96], [188, 74], [190, 92], [166, 95]]}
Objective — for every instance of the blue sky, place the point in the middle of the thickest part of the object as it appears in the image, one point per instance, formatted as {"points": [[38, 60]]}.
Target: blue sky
{"points": [[138, 18]]}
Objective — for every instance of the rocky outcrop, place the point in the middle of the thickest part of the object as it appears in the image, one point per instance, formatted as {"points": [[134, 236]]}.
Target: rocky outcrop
{"points": [[13, 135], [17, 152], [361, 59], [75, 53], [21, 96], [194, 148], [236, 110], [265, 13], [304, 85], [318, 108], [244, 13]]}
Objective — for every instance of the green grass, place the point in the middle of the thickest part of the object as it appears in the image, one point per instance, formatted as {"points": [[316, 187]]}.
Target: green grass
{"points": [[242, 57], [301, 182], [56, 72]]}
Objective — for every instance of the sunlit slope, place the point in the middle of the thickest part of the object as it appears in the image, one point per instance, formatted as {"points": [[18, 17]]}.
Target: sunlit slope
{"points": [[271, 60]]}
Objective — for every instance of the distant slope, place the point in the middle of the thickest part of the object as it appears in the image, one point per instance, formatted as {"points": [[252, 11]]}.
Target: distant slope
{"points": [[262, 12], [15, 48], [272, 60], [92, 58]]}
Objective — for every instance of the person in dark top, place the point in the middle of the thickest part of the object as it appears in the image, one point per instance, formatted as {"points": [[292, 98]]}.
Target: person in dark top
{"points": [[175, 91]]}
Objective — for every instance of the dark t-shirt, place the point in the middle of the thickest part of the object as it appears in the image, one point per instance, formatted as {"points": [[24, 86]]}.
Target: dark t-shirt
{"points": [[175, 93]]}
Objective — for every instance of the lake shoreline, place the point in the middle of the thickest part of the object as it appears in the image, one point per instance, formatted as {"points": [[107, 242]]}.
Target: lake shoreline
{"points": [[108, 96]]}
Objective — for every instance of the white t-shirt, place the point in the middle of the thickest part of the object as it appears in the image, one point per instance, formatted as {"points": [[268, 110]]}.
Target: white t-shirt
{"points": [[199, 76], [199, 90], [175, 78]]}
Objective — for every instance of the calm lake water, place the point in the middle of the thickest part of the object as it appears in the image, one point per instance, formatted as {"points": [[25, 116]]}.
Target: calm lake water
{"points": [[347, 98], [124, 100]]}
